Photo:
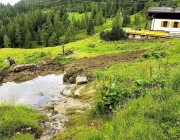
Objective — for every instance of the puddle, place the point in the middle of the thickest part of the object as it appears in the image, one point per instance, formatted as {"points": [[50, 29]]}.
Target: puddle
{"points": [[34, 93]]}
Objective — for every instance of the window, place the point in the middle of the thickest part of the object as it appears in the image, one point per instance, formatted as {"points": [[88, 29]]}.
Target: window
{"points": [[175, 25], [165, 23]]}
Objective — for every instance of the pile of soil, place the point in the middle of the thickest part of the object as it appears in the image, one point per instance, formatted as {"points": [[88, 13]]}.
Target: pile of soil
{"points": [[101, 62]]}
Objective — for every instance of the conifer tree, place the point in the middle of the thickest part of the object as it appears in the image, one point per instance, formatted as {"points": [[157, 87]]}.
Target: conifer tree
{"points": [[70, 34], [53, 40], [126, 21], [6, 41], [90, 27], [18, 35], [28, 39]]}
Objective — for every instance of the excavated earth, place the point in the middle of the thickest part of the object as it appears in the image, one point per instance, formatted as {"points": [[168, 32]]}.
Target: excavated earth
{"points": [[85, 66], [56, 110]]}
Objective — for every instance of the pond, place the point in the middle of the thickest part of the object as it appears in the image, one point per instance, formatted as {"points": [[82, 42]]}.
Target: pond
{"points": [[33, 93]]}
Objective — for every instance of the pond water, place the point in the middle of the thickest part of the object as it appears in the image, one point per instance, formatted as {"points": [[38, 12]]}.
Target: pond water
{"points": [[34, 93]]}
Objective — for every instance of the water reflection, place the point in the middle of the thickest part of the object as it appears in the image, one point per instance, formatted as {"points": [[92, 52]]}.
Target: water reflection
{"points": [[35, 92]]}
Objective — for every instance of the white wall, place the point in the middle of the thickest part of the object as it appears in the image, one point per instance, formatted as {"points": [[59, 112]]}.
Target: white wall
{"points": [[156, 25]]}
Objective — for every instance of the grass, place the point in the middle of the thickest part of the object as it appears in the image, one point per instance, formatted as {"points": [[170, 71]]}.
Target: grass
{"points": [[82, 49], [19, 120], [152, 115]]}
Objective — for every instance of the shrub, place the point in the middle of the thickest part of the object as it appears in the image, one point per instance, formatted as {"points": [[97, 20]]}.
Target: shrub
{"points": [[156, 55], [92, 45], [115, 34], [113, 94]]}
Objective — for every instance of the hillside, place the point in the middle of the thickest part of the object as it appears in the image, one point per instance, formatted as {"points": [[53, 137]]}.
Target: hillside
{"points": [[31, 24], [135, 83]]}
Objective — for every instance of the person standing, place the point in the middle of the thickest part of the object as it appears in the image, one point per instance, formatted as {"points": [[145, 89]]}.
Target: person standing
{"points": [[11, 61]]}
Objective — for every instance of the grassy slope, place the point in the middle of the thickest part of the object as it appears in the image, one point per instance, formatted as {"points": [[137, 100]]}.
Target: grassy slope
{"points": [[15, 118], [130, 121], [153, 116]]}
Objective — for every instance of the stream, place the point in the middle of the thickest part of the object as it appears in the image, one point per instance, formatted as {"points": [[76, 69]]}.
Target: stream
{"points": [[40, 93], [34, 93]]}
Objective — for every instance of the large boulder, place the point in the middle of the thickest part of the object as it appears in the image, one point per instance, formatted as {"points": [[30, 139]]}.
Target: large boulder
{"points": [[47, 61], [71, 74], [20, 68]]}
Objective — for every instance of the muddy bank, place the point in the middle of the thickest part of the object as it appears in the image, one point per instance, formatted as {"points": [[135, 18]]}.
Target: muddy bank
{"points": [[57, 110], [25, 72], [83, 67]]}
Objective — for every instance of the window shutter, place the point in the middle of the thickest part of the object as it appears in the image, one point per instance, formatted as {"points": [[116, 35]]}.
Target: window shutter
{"points": [[168, 24], [162, 23], [178, 24], [172, 24]]}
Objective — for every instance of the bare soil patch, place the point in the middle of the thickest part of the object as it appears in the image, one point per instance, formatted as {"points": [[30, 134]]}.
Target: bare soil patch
{"points": [[102, 62]]}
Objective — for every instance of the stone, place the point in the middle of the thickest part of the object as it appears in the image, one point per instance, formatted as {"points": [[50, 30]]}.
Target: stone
{"points": [[20, 68], [77, 92], [68, 90], [71, 74], [47, 61], [81, 80]]}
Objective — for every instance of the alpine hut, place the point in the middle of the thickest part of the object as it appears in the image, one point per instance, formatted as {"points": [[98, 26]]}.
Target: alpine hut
{"points": [[165, 19]]}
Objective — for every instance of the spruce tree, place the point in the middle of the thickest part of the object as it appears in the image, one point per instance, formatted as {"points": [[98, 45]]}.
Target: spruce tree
{"points": [[90, 27], [6, 41]]}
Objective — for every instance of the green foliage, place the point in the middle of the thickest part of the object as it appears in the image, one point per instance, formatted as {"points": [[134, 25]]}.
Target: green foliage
{"points": [[156, 55], [150, 82], [35, 56], [126, 21], [63, 60], [176, 83], [115, 34], [92, 45], [42, 54], [17, 119], [25, 136], [114, 94]]}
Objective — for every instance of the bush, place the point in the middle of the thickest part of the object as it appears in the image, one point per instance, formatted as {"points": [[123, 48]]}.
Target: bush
{"points": [[113, 94], [92, 45], [115, 34], [156, 55]]}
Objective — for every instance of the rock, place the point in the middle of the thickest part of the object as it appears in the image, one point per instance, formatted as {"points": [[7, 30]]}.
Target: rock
{"points": [[81, 80], [68, 52], [77, 92], [71, 74], [47, 61], [19, 68], [68, 90]]}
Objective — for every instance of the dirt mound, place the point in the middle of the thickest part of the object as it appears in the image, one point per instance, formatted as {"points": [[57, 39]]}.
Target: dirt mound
{"points": [[101, 62], [88, 65]]}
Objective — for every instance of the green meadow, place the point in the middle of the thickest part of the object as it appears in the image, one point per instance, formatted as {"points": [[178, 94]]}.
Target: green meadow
{"points": [[137, 100], [134, 101]]}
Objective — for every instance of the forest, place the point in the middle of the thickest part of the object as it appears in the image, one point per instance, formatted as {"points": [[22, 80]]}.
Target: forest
{"points": [[33, 23]]}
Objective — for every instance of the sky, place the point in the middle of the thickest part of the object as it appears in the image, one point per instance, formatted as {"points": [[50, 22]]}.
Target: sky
{"points": [[12, 2]]}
